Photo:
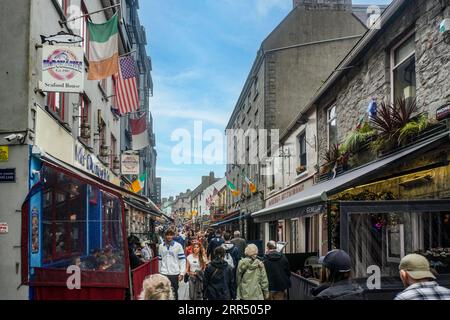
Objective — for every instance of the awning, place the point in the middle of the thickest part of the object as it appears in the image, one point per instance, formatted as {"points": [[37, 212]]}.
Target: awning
{"points": [[310, 200], [46, 158], [230, 220], [142, 207]]}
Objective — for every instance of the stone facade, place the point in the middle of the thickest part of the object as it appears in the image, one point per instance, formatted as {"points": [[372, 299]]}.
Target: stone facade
{"points": [[371, 76]]}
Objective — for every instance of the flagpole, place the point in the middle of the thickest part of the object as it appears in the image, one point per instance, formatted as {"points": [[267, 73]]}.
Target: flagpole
{"points": [[89, 14]]}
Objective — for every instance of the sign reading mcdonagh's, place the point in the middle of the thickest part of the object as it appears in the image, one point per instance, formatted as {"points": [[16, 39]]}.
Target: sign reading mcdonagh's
{"points": [[90, 163], [62, 69], [130, 164]]}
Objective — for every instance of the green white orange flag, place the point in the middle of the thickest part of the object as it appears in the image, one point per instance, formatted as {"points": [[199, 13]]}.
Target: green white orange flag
{"points": [[139, 183], [103, 49], [251, 185], [234, 191]]}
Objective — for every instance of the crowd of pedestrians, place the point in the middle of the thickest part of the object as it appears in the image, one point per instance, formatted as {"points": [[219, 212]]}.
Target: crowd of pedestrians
{"points": [[217, 265]]}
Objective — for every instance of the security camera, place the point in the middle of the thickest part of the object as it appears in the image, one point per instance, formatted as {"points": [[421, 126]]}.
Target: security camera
{"points": [[14, 136]]}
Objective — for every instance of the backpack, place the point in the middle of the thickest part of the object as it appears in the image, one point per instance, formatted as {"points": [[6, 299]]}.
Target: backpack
{"points": [[229, 259]]}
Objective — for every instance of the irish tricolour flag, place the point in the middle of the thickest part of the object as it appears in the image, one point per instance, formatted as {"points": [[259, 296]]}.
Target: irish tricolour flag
{"points": [[139, 183], [103, 49], [234, 191]]}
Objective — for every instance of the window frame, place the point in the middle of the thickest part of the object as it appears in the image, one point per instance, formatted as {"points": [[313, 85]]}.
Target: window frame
{"points": [[394, 66], [52, 106], [302, 134], [329, 120]]}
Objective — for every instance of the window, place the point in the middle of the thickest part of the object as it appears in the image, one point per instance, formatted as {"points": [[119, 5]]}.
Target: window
{"points": [[302, 149], [332, 126], [56, 102], [84, 30], [113, 150], [403, 64], [85, 128]]}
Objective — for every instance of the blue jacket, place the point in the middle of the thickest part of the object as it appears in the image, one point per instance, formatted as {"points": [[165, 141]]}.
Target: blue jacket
{"points": [[213, 244]]}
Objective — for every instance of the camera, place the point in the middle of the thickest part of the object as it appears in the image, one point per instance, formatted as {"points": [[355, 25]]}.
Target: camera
{"points": [[14, 136]]}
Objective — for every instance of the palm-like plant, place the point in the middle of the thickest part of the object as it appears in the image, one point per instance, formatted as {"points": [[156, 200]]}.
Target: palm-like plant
{"points": [[331, 156]]}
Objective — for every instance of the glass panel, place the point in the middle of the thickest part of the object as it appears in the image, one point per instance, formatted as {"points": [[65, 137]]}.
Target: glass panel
{"points": [[405, 79], [405, 50]]}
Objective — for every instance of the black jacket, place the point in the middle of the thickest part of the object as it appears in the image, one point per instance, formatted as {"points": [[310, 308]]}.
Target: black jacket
{"points": [[213, 244], [342, 290], [278, 271], [233, 251], [219, 281]]}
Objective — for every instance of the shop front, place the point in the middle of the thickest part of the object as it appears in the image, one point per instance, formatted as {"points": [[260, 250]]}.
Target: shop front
{"points": [[73, 228]]}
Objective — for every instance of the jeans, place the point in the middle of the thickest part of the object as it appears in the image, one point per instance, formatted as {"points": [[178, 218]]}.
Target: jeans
{"points": [[174, 283]]}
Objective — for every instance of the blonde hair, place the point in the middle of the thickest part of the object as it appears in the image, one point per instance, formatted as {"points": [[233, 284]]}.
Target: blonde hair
{"points": [[156, 287], [251, 251]]}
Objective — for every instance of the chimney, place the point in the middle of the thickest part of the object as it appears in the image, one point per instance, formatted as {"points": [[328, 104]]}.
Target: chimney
{"points": [[335, 5]]}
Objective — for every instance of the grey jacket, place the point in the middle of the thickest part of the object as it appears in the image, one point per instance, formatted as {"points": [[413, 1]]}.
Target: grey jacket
{"points": [[240, 244]]}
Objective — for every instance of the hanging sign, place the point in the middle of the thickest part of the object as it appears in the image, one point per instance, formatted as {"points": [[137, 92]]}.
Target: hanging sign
{"points": [[130, 164], [3, 228], [443, 112], [4, 153], [62, 69]]}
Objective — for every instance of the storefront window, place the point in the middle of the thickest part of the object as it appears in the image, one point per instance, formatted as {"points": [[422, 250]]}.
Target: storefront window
{"points": [[382, 239]]}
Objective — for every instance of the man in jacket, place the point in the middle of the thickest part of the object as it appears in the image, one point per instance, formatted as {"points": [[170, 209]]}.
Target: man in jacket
{"points": [[338, 264], [172, 261], [239, 242], [219, 279], [278, 272], [232, 254], [215, 242]]}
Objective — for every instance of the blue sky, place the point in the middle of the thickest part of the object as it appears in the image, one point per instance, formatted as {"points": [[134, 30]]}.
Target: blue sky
{"points": [[202, 51]]}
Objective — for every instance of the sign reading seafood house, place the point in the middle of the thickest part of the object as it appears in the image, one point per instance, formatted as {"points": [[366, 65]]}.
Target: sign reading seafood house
{"points": [[62, 69]]}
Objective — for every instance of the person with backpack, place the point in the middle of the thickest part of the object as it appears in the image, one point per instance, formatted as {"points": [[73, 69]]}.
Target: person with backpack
{"points": [[232, 254], [219, 279], [215, 242], [252, 282], [278, 272]]}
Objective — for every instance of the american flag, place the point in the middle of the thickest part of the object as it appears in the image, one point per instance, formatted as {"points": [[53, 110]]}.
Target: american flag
{"points": [[126, 87]]}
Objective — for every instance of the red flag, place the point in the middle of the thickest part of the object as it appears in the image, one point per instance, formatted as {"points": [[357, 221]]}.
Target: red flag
{"points": [[139, 132], [127, 96]]}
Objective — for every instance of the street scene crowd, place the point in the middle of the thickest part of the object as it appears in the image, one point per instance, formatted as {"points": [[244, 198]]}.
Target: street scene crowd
{"points": [[219, 265]]}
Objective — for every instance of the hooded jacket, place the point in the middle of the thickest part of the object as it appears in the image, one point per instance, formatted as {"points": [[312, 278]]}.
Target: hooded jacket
{"points": [[219, 281], [278, 271], [233, 251], [252, 280], [342, 290]]}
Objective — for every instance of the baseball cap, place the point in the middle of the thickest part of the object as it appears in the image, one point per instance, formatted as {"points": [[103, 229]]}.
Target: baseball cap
{"points": [[337, 260], [417, 266]]}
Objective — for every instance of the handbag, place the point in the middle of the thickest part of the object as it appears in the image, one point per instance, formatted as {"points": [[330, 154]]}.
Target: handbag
{"points": [[186, 278]]}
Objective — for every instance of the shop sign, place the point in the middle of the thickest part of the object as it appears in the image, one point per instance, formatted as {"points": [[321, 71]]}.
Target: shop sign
{"points": [[35, 230], [130, 164], [443, 112], [90, 163], [7, 175], [62, 68], [3, 227], [4, 153], [285, 194]]}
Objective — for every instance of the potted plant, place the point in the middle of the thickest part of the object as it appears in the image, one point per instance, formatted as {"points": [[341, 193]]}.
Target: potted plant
{"points": [[300, 169], [330, 157]]}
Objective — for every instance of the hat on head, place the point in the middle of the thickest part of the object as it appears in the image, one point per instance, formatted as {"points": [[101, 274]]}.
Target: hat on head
{"points": [[417, 266], [338, 261]]}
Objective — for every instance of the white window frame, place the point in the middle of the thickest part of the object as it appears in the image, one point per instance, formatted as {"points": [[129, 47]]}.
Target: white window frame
{"points": [[329, 120], [394, 66]]}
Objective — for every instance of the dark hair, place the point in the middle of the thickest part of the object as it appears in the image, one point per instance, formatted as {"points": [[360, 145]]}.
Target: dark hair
{"points": [[336, 276], [218, 232], [219, 252], [227, 236], [169, 232]]}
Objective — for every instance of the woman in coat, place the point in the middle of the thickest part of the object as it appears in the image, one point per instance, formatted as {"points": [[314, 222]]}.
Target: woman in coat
{"points": [[252, 283], [219, 280]]}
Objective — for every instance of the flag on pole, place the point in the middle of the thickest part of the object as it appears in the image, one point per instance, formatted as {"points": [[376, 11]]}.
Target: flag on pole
{"points": [[103, 49], [139, 132], [250, 184], [127, 96], [139, 183], [234, 191]]}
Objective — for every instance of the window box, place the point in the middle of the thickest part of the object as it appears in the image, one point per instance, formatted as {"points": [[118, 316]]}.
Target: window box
{"points": [[300, 169]]}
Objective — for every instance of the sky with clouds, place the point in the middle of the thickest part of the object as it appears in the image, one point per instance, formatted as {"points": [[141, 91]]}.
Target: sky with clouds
{"points": [[202, 51]]}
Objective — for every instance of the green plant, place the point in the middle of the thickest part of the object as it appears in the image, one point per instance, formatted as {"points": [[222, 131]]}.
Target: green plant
{"points": [[389, 121], [332, 154], [413, 128], [356, 139]]}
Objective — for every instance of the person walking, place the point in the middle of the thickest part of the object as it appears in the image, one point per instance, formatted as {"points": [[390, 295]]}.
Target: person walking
{"points": [[278, 272], [178, 238], [232, 254], [239, 242], [420, 283], [146, 251], [215, 242], [219, 279], [172, 261], [195, 267], [252, 282], [338, 267]]}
